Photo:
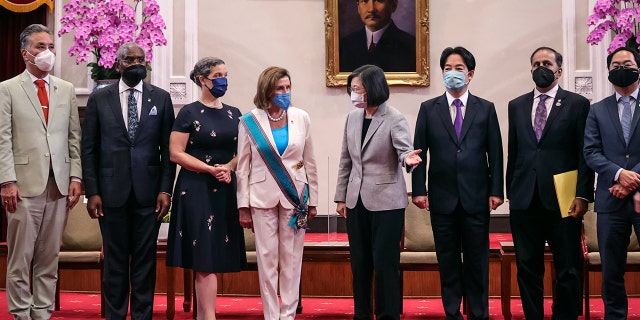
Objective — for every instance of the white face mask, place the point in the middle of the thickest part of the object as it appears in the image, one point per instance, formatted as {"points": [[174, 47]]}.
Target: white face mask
{"points": [[358, 100], [44, 60]]}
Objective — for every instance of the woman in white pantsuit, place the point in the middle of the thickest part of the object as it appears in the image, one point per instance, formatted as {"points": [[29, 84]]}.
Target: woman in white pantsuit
{"points": [[274, 141]]}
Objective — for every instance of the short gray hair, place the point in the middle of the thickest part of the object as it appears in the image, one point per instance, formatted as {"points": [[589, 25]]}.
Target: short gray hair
{"points": [[25, 35], [122, 50], [203, 68]]}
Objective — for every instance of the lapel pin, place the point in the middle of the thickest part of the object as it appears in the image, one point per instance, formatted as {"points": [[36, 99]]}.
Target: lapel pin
{"points": [[559, 103], [149, 100]]}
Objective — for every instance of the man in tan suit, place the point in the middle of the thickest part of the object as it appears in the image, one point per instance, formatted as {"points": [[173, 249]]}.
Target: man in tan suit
{"points": [[39, 173]]}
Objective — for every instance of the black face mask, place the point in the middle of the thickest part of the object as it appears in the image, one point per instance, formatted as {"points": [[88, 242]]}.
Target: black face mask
{"points": [[623, 76], [132, 75], [543, 77]]}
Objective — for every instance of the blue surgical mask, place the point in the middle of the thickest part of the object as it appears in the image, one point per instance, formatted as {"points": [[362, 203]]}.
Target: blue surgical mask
{"points": [[282, 100], [219, 87], [455, 80]]}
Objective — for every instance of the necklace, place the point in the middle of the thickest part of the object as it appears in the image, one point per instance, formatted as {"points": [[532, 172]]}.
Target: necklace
{"points": [[284, 113]]}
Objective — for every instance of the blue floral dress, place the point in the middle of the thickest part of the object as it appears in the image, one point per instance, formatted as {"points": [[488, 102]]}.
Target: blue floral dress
{"points": [[205, 233]]}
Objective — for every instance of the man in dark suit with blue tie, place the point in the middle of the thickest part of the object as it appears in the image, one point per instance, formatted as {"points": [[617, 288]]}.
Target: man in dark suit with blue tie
{"points": [[546, 133], [462, 135], [612, 149], [128, 180]]}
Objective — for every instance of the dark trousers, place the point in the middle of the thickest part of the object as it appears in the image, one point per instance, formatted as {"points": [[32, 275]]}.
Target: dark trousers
{"points": [[614, 230], [374, 244], [460, 235], [129, 236], [530, 229]]}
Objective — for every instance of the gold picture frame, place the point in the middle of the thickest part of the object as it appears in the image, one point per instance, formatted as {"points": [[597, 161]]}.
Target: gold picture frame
{"points": [[336, 77]]}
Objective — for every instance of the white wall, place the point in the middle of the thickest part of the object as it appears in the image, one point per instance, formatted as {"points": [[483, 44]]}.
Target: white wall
{"points": [[251, 35]]}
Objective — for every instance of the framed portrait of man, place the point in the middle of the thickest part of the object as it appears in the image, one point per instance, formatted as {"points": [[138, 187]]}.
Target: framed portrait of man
{"points": [[391, 34]]}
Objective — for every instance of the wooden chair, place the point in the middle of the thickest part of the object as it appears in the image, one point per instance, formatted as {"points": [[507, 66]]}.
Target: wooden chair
{"points": [[592, 257], [418, 250], [81, 248]]}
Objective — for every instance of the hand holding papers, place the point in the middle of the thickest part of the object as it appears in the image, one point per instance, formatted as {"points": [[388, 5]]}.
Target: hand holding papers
{"points": [[565, 184]]}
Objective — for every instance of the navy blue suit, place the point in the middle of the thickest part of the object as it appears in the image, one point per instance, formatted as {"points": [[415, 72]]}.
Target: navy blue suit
{"points": [[463, 173], [606, 151], [395, 52], [128, 176], [534, 211]]}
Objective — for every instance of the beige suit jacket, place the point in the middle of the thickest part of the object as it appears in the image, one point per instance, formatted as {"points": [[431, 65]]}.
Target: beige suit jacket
{"points": [[256, 186], [28, 146]]}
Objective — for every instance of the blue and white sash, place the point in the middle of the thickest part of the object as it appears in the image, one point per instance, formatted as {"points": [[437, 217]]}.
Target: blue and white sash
{"points": [[278, 171]]}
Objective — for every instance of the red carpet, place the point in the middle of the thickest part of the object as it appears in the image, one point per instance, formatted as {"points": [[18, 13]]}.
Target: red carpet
{"points": [[75, 306]]}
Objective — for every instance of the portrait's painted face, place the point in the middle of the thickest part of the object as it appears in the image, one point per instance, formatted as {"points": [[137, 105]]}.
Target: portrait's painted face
{"points": [[376, 14]]}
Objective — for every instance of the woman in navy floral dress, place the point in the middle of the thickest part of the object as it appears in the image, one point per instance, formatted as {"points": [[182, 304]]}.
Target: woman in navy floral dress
{"points": [[205, 233]]}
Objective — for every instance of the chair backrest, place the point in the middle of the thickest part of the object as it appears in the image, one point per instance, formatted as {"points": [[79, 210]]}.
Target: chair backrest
{"points": [[81, 233], [591, 233], [418, 235], [249, 240]]}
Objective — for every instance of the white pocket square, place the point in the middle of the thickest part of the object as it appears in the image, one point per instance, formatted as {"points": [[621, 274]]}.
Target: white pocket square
{"points": [[154, 111]]}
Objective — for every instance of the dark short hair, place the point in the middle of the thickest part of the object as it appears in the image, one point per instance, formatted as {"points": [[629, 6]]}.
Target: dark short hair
{"points": [[373, 81], [556, 53], [203, 68], [468, 58], [633, 51], [25, 35]]}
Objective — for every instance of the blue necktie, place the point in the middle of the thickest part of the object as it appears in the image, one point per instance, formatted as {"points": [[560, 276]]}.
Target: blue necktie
{"points": [[132, 114], [541, 116], [457, 123], [625, 120]]}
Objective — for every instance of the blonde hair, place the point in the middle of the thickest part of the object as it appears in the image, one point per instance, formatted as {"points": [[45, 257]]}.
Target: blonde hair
{"points": [[267, 85]]}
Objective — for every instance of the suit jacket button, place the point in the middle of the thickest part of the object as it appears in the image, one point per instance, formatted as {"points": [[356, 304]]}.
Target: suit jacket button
{"points": [[458, 151], [626, 156], [46, 154]]}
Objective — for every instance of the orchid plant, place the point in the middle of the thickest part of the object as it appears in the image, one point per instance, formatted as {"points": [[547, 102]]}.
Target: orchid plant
{"points": [[101, 26], [619, 16]]}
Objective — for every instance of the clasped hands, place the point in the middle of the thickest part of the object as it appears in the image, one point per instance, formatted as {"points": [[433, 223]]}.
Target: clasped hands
{"points": [[627, 181], [222, 172]]}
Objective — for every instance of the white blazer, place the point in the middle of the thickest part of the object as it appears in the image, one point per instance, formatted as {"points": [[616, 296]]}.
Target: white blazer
{"points": [[256, 185]]}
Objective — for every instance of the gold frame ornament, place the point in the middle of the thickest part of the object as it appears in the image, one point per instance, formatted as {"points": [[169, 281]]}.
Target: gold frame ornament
{"points": [[335, 78]]}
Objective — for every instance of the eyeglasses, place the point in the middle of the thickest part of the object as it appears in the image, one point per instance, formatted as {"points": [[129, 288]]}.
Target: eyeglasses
{"points": [[355, 89], [130, 59], [626, 66]]}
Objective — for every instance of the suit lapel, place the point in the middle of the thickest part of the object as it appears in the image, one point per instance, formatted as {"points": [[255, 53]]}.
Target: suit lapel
{"points": [[442, 106], [634, 121], [113, 97], [526, 118], [146, 106], [53, 98], [376, 121], [30, 90], [615, 117], [355, 126], [556, 108], [469, 115], [261, 115]]}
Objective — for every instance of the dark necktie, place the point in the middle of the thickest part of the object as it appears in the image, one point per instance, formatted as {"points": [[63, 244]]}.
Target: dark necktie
{"points": [[372, 46], [625, 120], [541, 116], [44, 99], [132, 114], [457, 123]]}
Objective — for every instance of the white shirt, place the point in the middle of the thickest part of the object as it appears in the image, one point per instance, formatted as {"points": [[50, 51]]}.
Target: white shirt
{"points": [[375, 35], [633, 102], [452, 107], [123, 88], [548, 103]]}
